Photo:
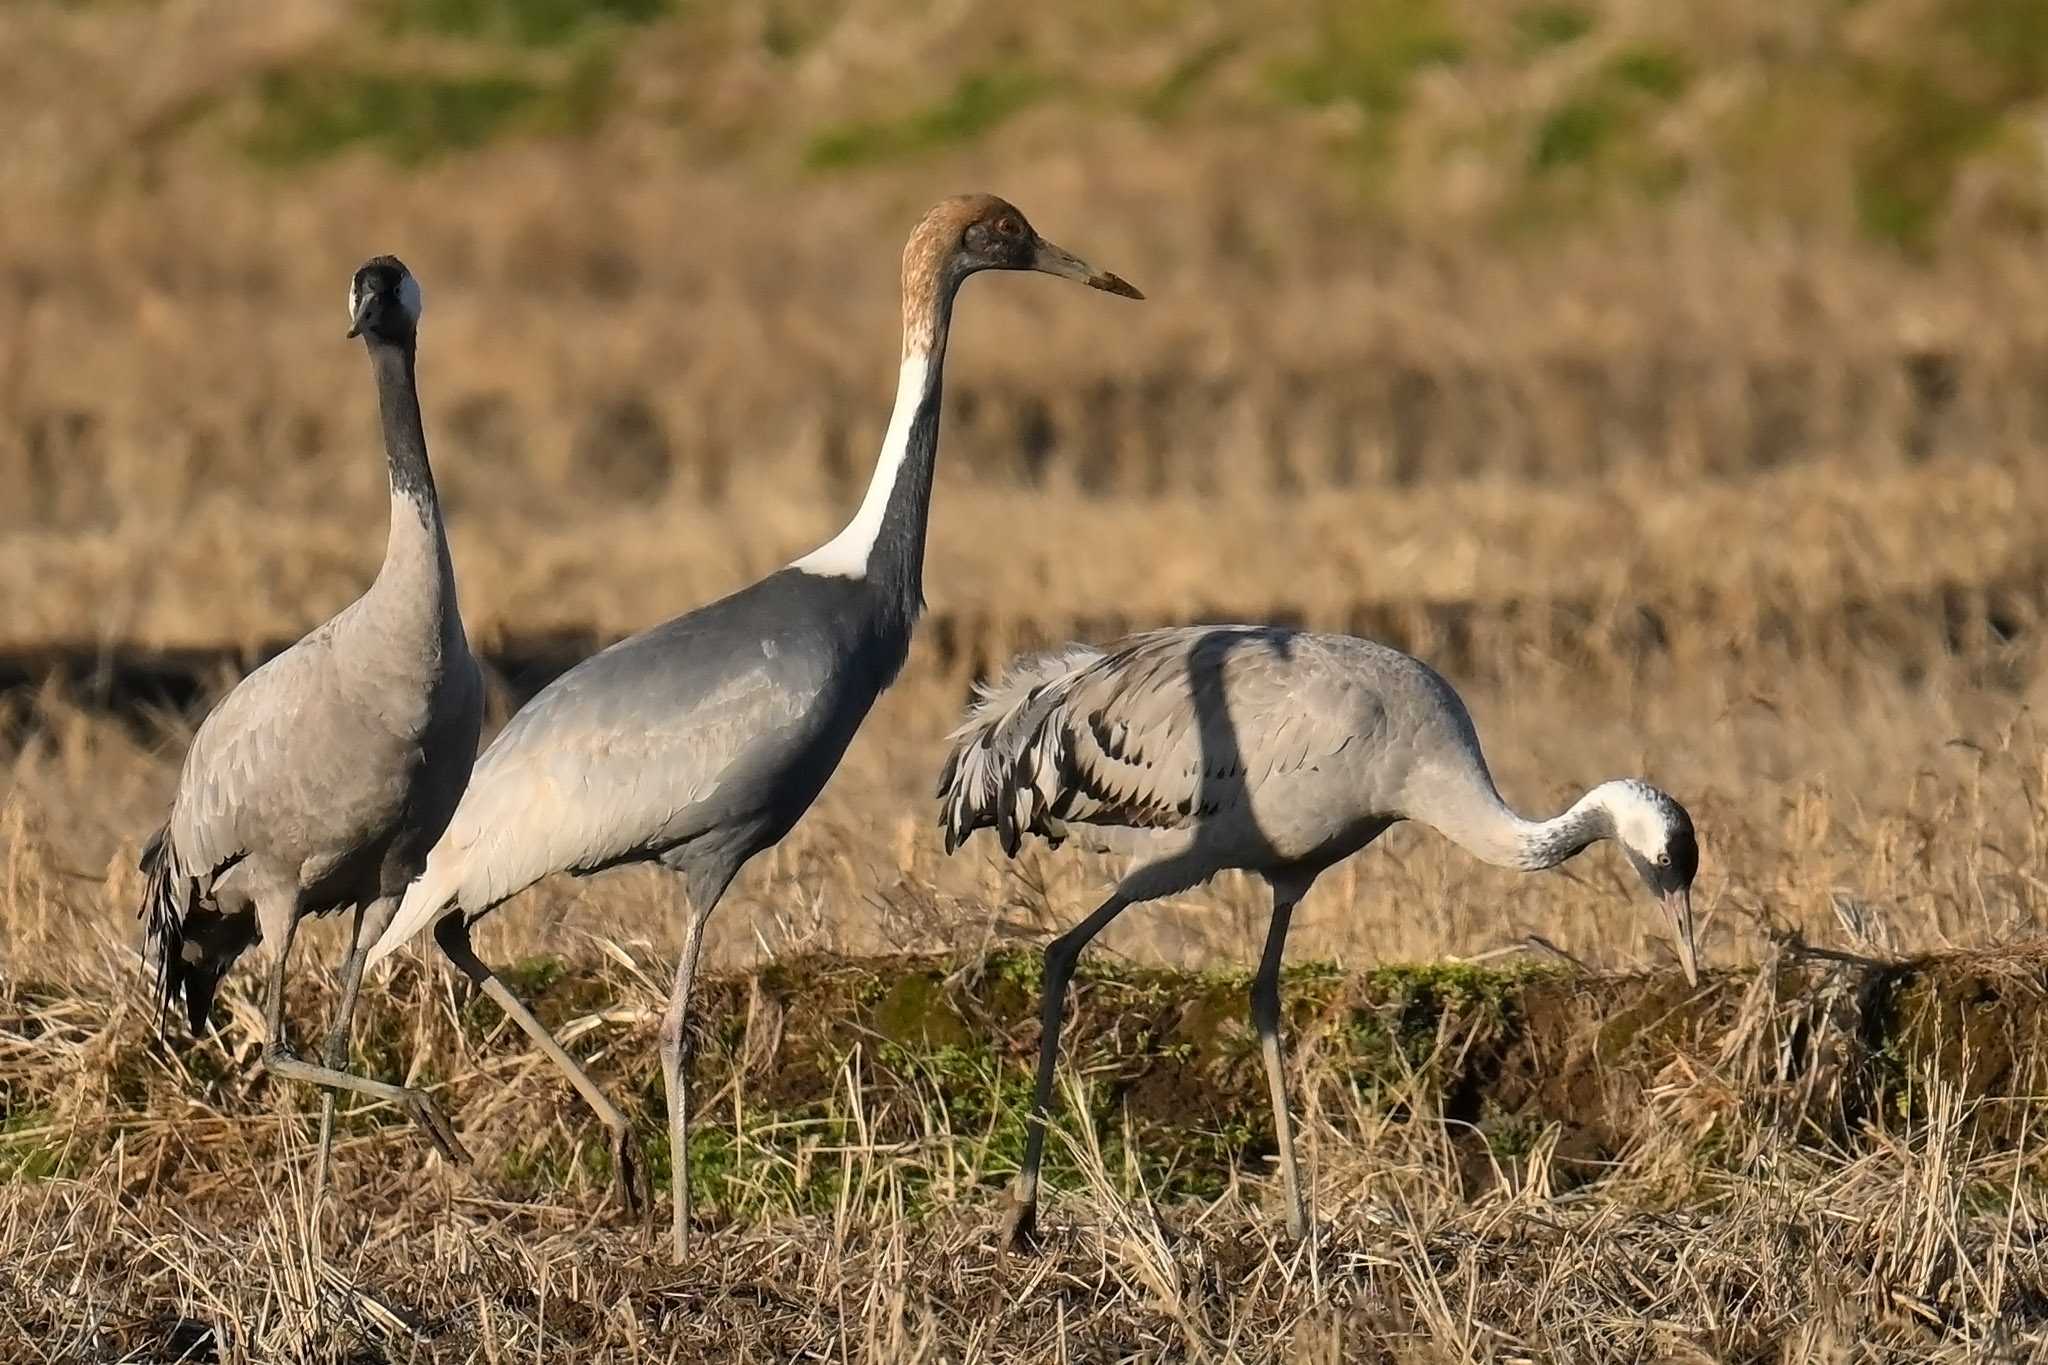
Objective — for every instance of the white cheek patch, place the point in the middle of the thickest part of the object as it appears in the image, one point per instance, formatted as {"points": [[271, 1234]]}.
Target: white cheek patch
{"points": [[410, 299]]}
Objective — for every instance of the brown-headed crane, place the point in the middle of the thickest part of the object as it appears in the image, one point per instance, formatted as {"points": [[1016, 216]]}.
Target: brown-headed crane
{"points": [[698, 743]]}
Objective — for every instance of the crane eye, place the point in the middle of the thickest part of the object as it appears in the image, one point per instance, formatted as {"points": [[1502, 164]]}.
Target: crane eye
{"points": [[1007, 226], [1664, 858]]}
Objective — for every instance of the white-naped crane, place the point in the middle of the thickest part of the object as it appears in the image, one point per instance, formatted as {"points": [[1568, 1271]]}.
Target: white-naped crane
{"points": [[698, 743], [1198, 749], [322, 780]]}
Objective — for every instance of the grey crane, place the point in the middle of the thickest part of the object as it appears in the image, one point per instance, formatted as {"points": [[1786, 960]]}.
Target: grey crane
{"points": [[321, 781], [700, 742], [1273, 751]]}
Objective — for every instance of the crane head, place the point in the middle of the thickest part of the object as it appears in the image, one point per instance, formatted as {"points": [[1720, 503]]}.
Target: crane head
{"points": [[1656, 834], [384, 301], [974, 232]]}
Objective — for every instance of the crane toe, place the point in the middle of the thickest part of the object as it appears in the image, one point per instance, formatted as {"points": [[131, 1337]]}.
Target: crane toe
{"points": [[1020, 1228], [629, 1173], [439, 1131]]}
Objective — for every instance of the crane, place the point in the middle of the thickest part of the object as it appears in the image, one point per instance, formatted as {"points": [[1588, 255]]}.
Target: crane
{"points": [[1196, 749], [698, 743], [322, 780]]}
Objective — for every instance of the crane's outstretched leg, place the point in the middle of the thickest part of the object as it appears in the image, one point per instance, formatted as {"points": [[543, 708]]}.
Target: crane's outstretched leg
{"points": [[676, 1078], [1020, 1227], [1266, 1019], [278, 1058], [335, 1055], [451, 931]]}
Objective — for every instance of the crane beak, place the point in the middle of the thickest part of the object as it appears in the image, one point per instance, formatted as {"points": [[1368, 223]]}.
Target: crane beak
{"points": [[362, 317], [1058, 261], [1678, 916]]}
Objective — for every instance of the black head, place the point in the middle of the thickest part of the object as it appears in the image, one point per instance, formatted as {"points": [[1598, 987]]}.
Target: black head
{"points": [[384, 301]]}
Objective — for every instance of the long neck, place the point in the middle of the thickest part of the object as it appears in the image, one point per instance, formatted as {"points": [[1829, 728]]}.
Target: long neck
{"points": [[884, 542], [417, 540], [1475, 818]]}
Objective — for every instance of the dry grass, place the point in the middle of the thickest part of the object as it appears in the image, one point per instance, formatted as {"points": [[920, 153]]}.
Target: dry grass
{"points": [[1839, 803], [158, 1205]]}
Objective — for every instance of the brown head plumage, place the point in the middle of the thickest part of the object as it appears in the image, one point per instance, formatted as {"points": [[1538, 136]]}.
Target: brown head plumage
{"points": [[972, 232]]}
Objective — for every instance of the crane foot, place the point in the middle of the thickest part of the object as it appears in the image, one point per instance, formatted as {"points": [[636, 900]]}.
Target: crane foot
{"points": [[1020, 1228], [428, 1115], [629, 1173]]}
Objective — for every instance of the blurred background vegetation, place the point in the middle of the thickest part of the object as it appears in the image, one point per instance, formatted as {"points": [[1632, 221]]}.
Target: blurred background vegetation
{"points": [[1902, 120]]}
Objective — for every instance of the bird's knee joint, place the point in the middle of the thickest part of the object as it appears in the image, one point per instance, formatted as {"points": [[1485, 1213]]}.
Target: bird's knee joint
{"points": [[671, 1036], [451, 932]]}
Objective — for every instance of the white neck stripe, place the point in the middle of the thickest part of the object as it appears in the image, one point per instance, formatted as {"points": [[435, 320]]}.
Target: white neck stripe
{"points": [[846, 554]]}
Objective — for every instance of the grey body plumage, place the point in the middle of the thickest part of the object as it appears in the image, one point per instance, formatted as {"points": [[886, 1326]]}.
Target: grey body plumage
{"points": [[1273, 751], [322, 780], [700, 742]]}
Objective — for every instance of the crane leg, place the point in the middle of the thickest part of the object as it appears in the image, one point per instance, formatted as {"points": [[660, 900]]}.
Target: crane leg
{"points": [[451, 932], [1266, 1019], [676, 1079], [1020, 1226], [335, 1055], [279, 1061]]}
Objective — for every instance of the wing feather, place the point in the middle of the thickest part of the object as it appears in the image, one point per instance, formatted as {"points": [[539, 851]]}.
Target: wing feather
{"points": [[1161, 731]]}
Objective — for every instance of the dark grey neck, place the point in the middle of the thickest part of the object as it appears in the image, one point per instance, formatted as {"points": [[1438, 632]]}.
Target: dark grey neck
{"points": [[896, 560], [405, 439]]}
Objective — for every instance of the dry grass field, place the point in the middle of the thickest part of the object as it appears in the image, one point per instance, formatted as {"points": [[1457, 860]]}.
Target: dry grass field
{"points": [[1674, 377]]}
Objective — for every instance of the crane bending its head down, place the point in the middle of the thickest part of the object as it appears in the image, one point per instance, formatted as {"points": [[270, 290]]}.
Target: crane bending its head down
{"points": [[1200, 749]]}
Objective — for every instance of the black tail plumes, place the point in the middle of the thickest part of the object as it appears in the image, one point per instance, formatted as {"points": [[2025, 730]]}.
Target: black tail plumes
{"points": [[998, 770], [191, 943], [166, 898]]}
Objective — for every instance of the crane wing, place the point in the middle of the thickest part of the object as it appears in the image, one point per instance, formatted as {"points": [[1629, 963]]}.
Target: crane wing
{"points": [[633, 751], [265, 754], [1161, 731]]}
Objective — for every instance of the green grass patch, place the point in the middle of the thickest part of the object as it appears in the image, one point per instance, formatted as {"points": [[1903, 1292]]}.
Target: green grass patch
{"points": [[1365, 57], [1595, 145], [1171, 95], [1542, 27], [311, 114], [2011, 36], [789, 28], [1576, 133], [1367, 53], [978, 104], [1905, 173], [528, 23], [1654, 71], [27, 1153], [1932, 113]]}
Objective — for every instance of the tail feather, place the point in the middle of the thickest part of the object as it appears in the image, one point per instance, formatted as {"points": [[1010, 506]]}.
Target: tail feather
{"points": [[432, 892], [167, 898], [999, 771]]}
